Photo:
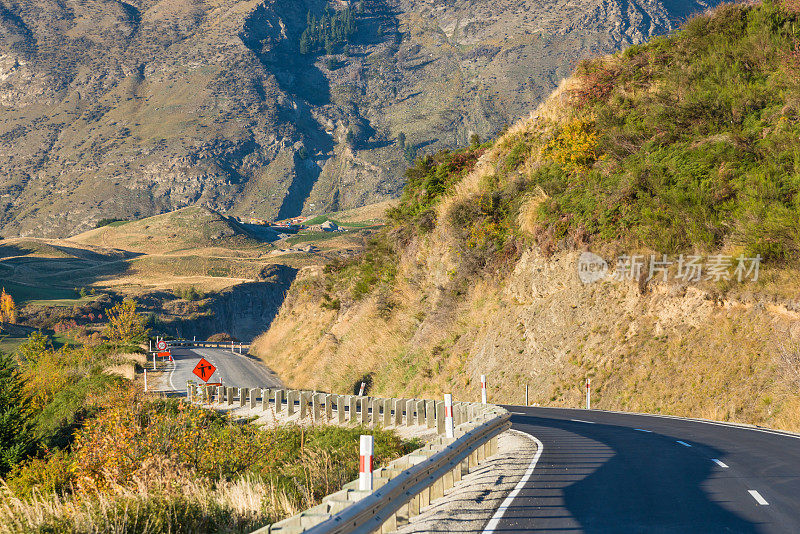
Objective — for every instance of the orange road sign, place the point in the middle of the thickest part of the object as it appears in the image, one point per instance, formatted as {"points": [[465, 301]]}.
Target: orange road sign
{"points": [[163, 354], [204, 370]]}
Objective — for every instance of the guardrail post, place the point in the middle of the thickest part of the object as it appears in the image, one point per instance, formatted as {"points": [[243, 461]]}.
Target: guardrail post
{"points": [[398, 411], [303, 404], [352, 409], [278, 401], [364, 402], [387, 412], [328, 407], [242, 396], [315, 407], [290, 397], [189, 392], [220, 394], [376, 409], [430, 413], [340, 412], [439, 418], [410, 404], [420, 412], [253, 399]]}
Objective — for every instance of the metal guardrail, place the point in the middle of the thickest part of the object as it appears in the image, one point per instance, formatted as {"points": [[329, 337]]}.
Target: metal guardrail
{"points": [[404, 486], [207, 344], [372, 512]]}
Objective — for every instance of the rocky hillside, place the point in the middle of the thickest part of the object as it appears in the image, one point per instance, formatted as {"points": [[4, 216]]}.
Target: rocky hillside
{"points": [[563, 250], [115, 109]]}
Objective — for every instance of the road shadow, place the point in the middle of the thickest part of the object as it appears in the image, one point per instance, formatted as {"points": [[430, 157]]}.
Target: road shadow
{"points": [[598, 478]]}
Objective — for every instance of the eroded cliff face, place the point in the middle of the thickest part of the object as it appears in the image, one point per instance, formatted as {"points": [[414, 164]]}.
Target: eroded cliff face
{"points": [[128, 109], [242, 311], [666, 348]]}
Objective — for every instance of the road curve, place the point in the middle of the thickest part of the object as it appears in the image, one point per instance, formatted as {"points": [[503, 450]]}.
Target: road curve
{"points": [[233, 369], [603, 472]]}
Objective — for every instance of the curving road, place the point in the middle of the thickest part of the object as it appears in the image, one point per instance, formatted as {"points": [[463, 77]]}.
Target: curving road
{"points": [[604, 472], [233, 369]]}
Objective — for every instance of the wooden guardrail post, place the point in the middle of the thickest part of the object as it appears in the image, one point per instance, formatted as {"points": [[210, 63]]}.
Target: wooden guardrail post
{"points": [[387, 412], [364, 405]]}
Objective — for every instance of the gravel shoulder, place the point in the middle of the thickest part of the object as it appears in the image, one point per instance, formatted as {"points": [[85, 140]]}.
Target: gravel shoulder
{"points": [[469, 505]]}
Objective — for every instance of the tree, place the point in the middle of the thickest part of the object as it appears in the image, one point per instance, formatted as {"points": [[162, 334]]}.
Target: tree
{"points": [[124, 324], [16, 417], [8, 309], [305, 43], [474, 140]]}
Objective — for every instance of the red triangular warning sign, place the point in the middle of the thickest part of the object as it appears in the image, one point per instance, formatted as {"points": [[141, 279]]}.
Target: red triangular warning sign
{"points": [[204, 370]]}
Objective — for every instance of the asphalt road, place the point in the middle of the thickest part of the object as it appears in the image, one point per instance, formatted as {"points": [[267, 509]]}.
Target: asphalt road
{"points": [[607, 472], [232, 369]]}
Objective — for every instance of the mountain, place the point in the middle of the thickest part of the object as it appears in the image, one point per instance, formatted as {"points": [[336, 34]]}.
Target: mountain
{"points": [[516, 259], [115, 109]]}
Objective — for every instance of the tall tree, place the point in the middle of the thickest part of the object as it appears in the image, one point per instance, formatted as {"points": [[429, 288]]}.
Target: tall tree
{"points": [[16, 418], [8, 309]]}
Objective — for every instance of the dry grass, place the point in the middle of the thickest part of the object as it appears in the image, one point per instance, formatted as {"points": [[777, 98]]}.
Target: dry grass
{"points": [[123, 509]]}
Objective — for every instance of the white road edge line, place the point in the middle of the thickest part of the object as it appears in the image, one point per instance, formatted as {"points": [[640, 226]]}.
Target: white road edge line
{"points": [[720, 463], [757, 496], [491, 526], [683, 443], [174, 368], [643, 430], [581, 421]]}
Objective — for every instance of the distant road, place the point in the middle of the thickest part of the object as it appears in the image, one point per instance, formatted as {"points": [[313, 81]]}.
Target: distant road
{"points": [[232, 369], [602, 472]]}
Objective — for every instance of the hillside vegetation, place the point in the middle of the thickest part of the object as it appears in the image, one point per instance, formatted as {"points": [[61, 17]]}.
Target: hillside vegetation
{"points": [[684, 145]]}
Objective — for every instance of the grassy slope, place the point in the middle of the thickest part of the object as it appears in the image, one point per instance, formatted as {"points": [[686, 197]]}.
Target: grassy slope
{"points": [[681, 145]]}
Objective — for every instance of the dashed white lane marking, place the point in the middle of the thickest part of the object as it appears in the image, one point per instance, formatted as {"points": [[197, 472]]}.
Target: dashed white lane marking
{"points": [[581, 421], [498, 515], [683, 443], [519, 413], [643, 430], [720, 463], [757, 496]]}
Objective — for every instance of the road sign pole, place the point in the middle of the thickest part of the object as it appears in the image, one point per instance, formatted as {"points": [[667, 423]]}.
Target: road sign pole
{"points": [[588, 393], [154, 361], [449, 430], [145, 380], [483, 389], [367, 447]]}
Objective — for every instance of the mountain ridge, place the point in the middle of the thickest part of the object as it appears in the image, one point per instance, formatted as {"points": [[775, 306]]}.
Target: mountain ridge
{"points": [[129, 109]]}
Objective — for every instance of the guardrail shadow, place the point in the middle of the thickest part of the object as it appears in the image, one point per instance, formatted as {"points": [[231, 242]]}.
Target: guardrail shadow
{"points": [[600, 478]]}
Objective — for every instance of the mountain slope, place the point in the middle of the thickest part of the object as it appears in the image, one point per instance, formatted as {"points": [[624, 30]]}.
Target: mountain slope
{"points": [[683, 146], [117, 109]]}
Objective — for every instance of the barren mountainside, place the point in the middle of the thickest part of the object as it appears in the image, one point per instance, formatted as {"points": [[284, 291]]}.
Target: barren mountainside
{"points": [[128, 109]]}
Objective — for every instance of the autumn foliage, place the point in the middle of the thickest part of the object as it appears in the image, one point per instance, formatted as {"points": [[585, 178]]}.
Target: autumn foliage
{"points": [[8, 309]]}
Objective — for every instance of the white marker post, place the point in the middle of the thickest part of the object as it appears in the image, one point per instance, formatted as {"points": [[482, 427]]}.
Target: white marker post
{"points": [[526, 395], [150, 341], [145, 380], [588, 393], [365, 463], [361, 389], [154, 361], [483, 389], [448, 416]]}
